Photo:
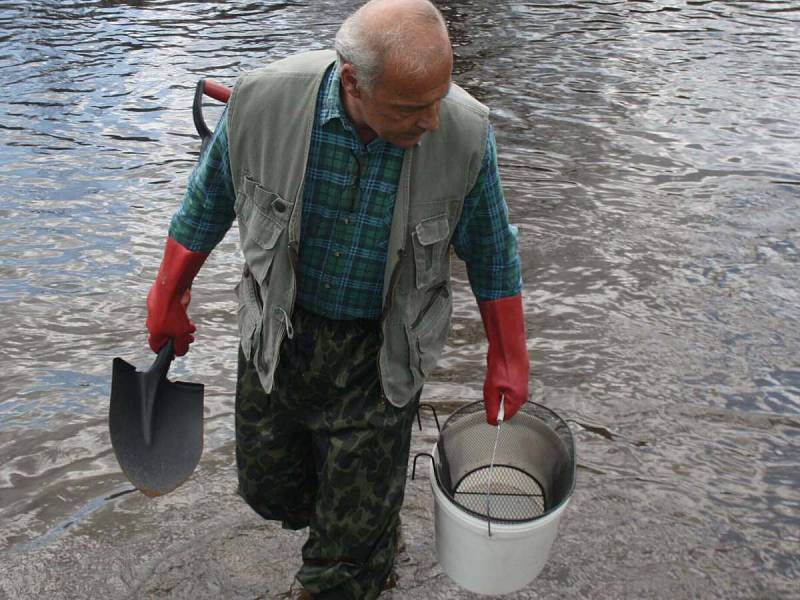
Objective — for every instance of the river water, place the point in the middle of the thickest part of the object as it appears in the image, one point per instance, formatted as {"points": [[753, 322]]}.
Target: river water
{"points": [[649, 152]]}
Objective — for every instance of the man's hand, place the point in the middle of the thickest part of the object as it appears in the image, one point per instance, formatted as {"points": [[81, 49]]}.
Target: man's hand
{"points": [[169, 298], [507, 360]]}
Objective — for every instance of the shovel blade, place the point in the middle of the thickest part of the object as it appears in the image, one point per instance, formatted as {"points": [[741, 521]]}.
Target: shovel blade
{"points": [[175, 426]]}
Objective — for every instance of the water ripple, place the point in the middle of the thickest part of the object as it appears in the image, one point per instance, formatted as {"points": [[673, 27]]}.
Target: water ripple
{"points": [[649, 157]]}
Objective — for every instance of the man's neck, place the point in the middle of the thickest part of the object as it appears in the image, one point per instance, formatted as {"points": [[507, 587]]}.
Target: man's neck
{"points": [[353, 112]]}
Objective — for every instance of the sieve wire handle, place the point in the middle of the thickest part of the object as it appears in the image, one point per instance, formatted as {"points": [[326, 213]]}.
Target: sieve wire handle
{"points": [[501, 413]]}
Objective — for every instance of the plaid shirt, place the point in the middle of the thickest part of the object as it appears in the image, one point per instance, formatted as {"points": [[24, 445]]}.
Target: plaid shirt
{"points": [[348, 204]]}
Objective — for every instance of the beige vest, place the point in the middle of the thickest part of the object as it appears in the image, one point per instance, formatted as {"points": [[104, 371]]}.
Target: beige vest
{"points": [[270, 118]]}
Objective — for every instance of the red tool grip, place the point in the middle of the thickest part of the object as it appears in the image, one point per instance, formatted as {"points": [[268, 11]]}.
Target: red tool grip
{"points": [[216, 90]]}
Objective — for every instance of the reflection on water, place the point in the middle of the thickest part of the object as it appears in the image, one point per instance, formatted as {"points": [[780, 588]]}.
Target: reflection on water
{"points": [[649, 154]]}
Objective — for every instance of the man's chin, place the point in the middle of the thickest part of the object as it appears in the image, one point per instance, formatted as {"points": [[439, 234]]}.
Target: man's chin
{"points": [[407, 141]]}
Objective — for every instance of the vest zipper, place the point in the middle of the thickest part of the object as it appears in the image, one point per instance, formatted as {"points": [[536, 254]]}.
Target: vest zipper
{"points": [[389, 297], [288, 329], [392, 282], [440, 292]]}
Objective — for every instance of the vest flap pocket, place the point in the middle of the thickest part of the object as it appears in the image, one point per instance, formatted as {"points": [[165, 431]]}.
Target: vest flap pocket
{"points": [[264, 215], [430, 241], [432, 230]]}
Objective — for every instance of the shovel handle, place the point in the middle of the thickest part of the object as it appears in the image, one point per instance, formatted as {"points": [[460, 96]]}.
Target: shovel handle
{"points": [[150, 384], [163, 361], [214, 90]]}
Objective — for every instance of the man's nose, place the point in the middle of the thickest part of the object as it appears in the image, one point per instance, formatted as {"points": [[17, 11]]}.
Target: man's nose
{"points": [[429, 121]]}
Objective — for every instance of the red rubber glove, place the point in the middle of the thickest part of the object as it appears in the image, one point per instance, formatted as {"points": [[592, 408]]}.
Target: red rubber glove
{"points": [[507, 359], [169, 298]]}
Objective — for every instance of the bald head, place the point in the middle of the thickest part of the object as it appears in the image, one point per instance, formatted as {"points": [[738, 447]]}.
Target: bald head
{"points": [[406, 36]]}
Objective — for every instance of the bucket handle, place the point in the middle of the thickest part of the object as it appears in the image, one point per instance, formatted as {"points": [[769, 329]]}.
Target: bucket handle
{"points": [[501, 415], [435, 417], [414, 467]]}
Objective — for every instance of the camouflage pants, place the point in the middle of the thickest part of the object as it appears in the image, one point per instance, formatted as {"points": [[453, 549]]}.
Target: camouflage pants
{"points": [[326, 450]]}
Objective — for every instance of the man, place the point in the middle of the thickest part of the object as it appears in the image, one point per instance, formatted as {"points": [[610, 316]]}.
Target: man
{"points": [[350, 175]]}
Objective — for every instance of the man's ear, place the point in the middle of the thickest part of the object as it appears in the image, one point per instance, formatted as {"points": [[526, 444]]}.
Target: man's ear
{"points": [[350, 81]]}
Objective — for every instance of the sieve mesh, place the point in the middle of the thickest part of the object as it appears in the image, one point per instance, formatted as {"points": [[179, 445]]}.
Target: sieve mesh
{"points": [[534, 468], [514, 495]]}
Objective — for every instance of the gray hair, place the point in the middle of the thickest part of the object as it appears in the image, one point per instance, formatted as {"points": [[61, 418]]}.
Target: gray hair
{"points": [[368, 49]]}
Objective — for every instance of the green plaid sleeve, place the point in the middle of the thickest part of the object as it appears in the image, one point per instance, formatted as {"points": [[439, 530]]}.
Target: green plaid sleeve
{"points": [[484, 239], [206, 213]]}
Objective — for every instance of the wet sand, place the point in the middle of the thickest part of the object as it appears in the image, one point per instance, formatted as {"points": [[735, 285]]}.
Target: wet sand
{"points": [[202, 542]]}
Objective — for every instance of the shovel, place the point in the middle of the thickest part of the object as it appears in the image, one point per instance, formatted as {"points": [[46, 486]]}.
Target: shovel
{"points": [[156, 425]]}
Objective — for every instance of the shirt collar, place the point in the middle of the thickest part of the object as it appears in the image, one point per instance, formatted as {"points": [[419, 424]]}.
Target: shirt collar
{"points": [[331, 98], [332, 105]]}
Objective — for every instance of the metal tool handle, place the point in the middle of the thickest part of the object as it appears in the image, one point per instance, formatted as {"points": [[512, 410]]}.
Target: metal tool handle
{"points": [[214, 90], [501, 413], [150, 383]]}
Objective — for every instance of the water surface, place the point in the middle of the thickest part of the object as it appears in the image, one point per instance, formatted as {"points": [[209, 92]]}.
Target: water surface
{"points": [[649, 155]]}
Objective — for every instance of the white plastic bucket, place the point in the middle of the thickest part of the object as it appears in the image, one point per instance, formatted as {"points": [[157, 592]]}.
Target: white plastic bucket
{"points": [[505, 562]]}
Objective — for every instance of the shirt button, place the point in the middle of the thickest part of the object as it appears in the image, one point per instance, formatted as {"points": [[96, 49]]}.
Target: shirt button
{"points": [[337, 254], [327, 286], [346, 221]]}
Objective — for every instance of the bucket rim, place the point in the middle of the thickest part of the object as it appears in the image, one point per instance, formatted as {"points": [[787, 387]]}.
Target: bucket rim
{"points": [[507, 527], [469, 407]]}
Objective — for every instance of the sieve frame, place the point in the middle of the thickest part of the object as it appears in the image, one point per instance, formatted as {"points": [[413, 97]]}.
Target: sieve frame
{"points": [[439, 458], [489, 518]]}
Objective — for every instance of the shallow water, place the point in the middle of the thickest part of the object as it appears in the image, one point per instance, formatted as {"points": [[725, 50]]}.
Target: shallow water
{"points": [[649, 155]]}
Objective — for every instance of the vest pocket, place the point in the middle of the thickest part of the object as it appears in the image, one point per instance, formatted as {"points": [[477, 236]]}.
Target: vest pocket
{"points": [[431, 239], [428, 332], [267, 215], [249, 315], [263, 218]]}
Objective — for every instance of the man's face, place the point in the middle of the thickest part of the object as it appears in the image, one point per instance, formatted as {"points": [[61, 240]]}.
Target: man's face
{"points": [[401, 108]]}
